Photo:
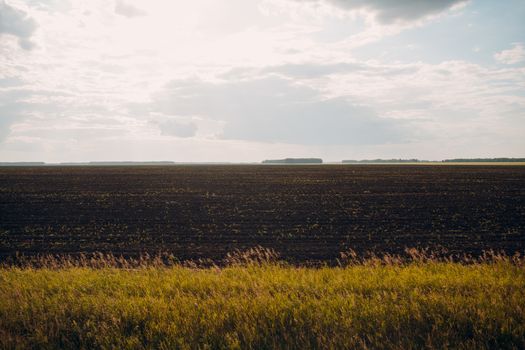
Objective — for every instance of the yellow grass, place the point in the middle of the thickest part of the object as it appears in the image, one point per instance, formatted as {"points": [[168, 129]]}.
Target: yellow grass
{"points": [[418, 305]]}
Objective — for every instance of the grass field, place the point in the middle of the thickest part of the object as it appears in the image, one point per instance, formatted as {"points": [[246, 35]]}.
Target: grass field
{"points": [[433, 305]]}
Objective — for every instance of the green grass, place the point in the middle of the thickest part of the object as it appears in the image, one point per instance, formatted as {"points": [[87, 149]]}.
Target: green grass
{"points": [[420, 305]]}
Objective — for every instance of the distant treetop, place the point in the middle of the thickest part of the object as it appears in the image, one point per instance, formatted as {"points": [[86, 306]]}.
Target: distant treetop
{"points": [[455, 160], [483, 160], [384, 161], [294, 161]]}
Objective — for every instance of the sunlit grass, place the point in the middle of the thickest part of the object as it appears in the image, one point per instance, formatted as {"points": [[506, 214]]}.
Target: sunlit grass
{"points": [[263, 306]]}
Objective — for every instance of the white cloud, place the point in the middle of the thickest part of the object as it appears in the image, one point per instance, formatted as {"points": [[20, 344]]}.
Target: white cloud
{"points": [[128, 10], [511, 56], [173, 127], [388, 11], [16, 22], [271, 109]]}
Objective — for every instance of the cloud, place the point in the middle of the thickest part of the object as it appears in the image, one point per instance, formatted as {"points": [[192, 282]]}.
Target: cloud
{"points": [[511, 56], [10, 113], [46, 108], [51, 6], [389, 11], [5, 127], [176, 128], [13, 108], [128, 10], [272, 109], [312, 71], [17, 23], [308, 70], [10, 81]]}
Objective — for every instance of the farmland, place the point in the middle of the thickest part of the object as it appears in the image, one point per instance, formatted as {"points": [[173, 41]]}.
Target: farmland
{"points": [[306, 213], [262, 257]]}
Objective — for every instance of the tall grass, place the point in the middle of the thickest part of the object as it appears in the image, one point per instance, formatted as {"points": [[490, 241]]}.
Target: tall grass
{"points": [[259, 304]]}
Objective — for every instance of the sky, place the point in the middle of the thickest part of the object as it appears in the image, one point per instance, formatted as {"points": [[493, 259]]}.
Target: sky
{"points": [[247, 80]]}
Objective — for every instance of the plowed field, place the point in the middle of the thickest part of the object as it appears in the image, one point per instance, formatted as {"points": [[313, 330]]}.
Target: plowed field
{"points": [[306, 213]]}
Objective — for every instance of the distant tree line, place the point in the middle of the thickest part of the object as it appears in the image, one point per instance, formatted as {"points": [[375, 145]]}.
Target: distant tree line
{"points": [[294, 161], [490, 160], [384, 161], [21, 163], [455, 160]]}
